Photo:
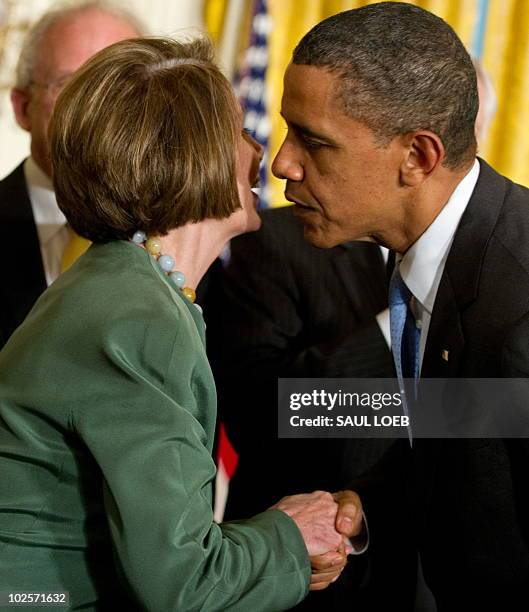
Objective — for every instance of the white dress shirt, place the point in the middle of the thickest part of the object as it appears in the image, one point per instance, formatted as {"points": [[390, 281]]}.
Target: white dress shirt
{"points": [[422, 266], [51, 223]]}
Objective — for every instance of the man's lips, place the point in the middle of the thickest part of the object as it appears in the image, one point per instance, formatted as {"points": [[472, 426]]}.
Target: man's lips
{"points": [[298, 203]]}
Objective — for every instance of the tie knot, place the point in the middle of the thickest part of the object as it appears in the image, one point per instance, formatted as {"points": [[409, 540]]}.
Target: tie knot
{"points": [[398, 291]]}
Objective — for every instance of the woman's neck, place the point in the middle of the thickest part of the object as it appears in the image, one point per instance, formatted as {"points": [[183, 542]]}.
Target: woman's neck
{"points": [[194, 247]]}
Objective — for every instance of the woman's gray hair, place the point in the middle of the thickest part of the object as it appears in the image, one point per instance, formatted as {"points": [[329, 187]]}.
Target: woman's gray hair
{"points": [[30, 46]]}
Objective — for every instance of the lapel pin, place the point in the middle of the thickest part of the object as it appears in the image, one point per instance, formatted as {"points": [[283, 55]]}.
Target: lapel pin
{"points": [[445, 354]]}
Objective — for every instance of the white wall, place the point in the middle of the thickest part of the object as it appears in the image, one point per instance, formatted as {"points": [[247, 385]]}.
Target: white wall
{"points": [[163, 17]]}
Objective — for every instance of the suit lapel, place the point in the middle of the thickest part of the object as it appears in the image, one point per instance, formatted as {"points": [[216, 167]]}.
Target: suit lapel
{"points": [[459, 284], [445, 347], [446, 342]]}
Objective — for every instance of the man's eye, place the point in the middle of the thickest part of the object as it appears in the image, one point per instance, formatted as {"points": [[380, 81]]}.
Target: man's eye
{"points": [[312, 144]]}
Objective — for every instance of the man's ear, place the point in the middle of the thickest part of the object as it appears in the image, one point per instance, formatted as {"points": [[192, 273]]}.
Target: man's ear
{"points": [[20, 99], [425, 152]]}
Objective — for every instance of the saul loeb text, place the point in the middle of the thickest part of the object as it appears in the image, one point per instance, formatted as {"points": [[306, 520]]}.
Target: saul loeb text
{"points": [[351, 421]]}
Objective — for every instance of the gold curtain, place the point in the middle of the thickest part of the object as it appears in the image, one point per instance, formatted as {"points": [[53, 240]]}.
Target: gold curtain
{"points": [[505, 57], [214, 14]]}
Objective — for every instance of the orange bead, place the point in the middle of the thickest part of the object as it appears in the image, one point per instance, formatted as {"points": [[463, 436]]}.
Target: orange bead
{"points": [[154, 246], [190, 294]]}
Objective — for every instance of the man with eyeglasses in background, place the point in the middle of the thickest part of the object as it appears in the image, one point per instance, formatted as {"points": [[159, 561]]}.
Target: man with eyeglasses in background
{"points": [[36, 237]]}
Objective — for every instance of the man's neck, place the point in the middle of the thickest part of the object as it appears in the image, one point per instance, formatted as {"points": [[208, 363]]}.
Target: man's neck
{"points": [[426, 204], [35, 175]]}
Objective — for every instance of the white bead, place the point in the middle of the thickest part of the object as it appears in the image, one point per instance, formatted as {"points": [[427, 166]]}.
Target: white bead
{"points": [[178, 279], [139, 237], [166, 263]]}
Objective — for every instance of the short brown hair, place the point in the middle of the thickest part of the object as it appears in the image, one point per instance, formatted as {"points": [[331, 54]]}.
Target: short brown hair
{"points": [[400, 69], [145, 137]]}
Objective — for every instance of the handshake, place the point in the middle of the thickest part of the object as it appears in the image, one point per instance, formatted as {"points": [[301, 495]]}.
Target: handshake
{"points": [[326, 523]]}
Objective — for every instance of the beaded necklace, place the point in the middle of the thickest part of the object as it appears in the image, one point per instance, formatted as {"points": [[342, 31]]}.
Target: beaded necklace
{"points": [[166, 263]]}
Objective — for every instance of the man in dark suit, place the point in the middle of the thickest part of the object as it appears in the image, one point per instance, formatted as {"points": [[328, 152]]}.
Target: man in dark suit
{"points": [[19, 291], [35, 234], [292, 310], [380, 104], [288, 309]]}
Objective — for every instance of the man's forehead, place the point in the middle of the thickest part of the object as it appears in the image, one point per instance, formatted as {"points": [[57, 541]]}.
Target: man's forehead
{"points": [[311, 97], [69, 42], [310, 84]]}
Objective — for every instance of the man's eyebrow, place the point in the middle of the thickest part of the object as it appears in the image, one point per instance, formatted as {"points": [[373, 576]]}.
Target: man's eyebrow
{"points": [[306, 131]]}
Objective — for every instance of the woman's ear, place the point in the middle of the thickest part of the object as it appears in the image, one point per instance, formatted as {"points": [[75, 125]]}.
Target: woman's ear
{"points": [[424, 154]]}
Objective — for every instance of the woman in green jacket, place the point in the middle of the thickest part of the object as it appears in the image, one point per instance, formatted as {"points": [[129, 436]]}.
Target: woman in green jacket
{"points": [[107, 402]]}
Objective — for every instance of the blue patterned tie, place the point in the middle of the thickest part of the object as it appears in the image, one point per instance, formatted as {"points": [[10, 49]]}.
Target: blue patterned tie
{"points": [[404, 333]]}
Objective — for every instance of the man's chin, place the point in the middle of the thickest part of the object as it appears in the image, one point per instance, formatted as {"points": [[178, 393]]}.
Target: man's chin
{"points": [[318, 238]]}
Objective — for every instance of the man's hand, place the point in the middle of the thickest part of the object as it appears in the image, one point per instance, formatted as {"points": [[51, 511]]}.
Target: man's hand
{"points": [[315, 516], [349, 516], [327, 568]]}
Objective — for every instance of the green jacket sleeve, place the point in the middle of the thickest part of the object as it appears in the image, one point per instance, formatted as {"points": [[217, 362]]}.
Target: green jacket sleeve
{"points": [[151, 436]]}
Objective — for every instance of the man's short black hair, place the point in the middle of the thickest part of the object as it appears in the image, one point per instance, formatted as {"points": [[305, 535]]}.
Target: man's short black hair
{"points": [[401, 69]]}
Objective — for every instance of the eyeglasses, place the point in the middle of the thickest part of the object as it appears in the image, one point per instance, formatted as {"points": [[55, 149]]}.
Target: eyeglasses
{"points": [[55, 86]]}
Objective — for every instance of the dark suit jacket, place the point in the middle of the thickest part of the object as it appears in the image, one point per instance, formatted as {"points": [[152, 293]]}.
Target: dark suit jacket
{"points": [[466, 501], [23, 278], [292, 310]]}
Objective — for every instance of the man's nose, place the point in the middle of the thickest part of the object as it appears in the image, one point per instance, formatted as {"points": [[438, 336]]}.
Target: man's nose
{"points": [[286, 165]]}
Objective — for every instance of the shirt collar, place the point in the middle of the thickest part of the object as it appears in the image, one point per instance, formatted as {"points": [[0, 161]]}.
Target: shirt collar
{"points": [[48, 217], [422, 265]]}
